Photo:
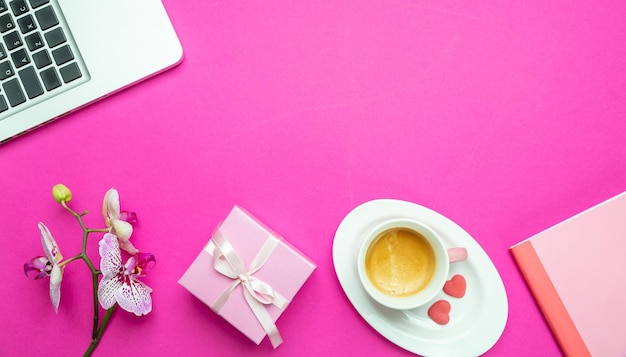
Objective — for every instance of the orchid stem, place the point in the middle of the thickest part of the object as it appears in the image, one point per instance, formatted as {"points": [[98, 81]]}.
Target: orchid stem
{"points": [[100, 332], [67, 261], [96, 308], [79, 218], [97, 230], [97, 331]]}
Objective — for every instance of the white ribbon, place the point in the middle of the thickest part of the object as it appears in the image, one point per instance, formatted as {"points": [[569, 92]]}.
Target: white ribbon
{"points": [[256, 292]]}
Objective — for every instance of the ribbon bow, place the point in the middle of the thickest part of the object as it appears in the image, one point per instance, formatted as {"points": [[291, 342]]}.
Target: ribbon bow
{"points": [[256, 292]]}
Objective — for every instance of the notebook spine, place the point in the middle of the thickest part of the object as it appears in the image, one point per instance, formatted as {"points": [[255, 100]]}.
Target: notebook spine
{"points": [[549, 301]]}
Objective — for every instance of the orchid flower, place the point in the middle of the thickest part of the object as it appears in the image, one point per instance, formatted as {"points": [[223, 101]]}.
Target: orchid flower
{"points": [[48, 265], [119, 282], [117, 221]]}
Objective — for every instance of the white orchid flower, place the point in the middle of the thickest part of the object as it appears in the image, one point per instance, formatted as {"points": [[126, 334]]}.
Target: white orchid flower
{"points": [[119, 282], [48, 266], [118, 221]]}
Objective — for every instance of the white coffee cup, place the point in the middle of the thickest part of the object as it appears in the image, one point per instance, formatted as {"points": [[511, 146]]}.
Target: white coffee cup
{"points": [[403, 263]]}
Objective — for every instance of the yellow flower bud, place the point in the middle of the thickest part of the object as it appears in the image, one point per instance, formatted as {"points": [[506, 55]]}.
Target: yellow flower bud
{"points": [[61, 193]]}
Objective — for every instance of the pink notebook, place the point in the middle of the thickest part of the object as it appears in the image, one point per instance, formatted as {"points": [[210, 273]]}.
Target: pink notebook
{"points": [[576, 271]]}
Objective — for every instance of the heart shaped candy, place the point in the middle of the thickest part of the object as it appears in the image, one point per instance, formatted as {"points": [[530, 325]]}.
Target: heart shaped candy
{"points": [[456, 286], [440, 312]]}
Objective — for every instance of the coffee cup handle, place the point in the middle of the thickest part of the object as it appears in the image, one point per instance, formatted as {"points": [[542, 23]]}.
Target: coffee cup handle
{"points": [[457, 254]]}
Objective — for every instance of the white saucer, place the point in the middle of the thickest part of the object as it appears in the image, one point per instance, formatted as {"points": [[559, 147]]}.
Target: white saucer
{"points": [[477, 319]]}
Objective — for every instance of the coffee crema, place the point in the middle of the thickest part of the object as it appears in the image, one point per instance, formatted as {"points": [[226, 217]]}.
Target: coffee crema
{"points": [[400, 262]]}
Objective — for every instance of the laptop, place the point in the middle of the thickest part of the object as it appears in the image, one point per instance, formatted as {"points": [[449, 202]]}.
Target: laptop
{"points": [[59, 55]]}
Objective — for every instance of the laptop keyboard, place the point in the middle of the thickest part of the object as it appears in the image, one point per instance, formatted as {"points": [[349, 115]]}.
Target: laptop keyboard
{"points": [[38, 58]]}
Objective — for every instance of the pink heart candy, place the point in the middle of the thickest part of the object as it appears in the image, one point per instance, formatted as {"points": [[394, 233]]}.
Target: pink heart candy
{"points": [[440, 312], [456, 286]]}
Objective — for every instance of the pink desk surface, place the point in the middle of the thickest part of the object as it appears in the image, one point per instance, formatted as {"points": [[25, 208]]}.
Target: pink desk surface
{"points": [[506, 117]]}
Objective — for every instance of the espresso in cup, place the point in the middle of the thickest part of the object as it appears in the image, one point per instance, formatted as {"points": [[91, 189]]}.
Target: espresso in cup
{"points": [[403, 263], [400, 262]]}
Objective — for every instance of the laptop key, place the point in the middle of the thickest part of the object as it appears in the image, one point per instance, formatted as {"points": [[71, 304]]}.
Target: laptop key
{"points": [[20, 58], [6, 70], [70, 72], [3, 6], [31, 82], [50, 78], [18, 7], [12, 40], [46, 17], [41, 59], [3, 104], [3, 53], [55, 37], [34, 41], [62, 55], [14, 92], [6, 23], [27, 24], [36, 3]]}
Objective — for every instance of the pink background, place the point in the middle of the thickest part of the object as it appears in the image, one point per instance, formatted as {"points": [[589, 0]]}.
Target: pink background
{"points": [[506, 117]]}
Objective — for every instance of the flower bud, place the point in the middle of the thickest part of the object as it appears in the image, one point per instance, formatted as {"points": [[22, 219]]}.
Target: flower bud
{"points": [[61, 193]]}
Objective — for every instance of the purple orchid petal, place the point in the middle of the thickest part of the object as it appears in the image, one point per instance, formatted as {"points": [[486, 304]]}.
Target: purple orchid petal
{"points": [[33, 273], [138, 265], [145, 262], [130, 217], [40, 262], [37, 268]]}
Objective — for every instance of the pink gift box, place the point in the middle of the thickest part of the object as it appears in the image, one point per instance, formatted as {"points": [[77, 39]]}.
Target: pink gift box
{"points": [[285, 270]]}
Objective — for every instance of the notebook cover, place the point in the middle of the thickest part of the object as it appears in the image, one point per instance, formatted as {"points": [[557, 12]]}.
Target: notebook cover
{"points": [[577, 273]]}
